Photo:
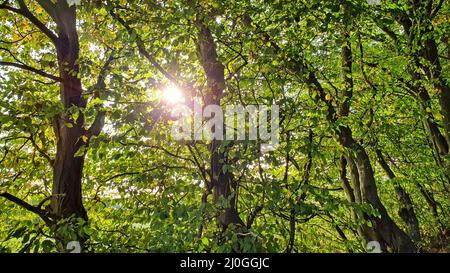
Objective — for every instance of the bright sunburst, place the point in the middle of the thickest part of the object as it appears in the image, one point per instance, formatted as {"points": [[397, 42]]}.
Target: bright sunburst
{"points": [[173, 95]]}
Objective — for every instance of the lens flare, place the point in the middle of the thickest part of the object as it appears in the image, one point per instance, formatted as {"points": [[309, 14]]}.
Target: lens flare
{"points": [[173, 95]]}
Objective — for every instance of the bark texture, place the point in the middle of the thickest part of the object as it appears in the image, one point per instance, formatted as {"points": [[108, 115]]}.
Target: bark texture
{"points": [[223, 182]]}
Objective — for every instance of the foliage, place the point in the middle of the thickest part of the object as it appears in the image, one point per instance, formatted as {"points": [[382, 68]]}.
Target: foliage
{"points": [[144, 192]]}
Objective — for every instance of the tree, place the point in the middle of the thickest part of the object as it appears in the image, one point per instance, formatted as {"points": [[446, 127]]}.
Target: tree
{"points": [[71, 132], [89, 90]]}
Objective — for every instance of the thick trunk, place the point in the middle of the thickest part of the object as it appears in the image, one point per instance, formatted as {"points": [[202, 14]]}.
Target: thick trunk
{"points": [[70, 134], [67, 172], [406, 211], [433, 71], [384, 230], [223, 184], [223, 188]]}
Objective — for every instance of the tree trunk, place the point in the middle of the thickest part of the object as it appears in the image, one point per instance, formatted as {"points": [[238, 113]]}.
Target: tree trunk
{"points": [[223, 184], [384, 230], [70, 134], [68, 170], [430, 53], [406, 211], [439, 141], [422, 26]]}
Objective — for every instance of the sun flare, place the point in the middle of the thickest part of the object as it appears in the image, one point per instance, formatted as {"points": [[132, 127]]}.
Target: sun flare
{"points": [[173, 95]]}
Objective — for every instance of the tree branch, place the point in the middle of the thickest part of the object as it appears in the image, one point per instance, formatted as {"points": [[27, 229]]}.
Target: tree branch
{"points": [[42, 152], [42, 213], [437, 8], [49, 7], [142, 50], [99, 120], [32, 69], [24, 11]]}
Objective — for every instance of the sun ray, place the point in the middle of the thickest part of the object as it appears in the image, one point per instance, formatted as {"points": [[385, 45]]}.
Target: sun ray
{"points": [[173, 95]]}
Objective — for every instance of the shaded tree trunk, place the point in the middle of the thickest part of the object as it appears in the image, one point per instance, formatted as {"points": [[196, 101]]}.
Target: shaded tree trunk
{"points": [[406, 211], [384, 230], [438, 140], [68, 168], [223, 184], [433, 72], [421, 27]]}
